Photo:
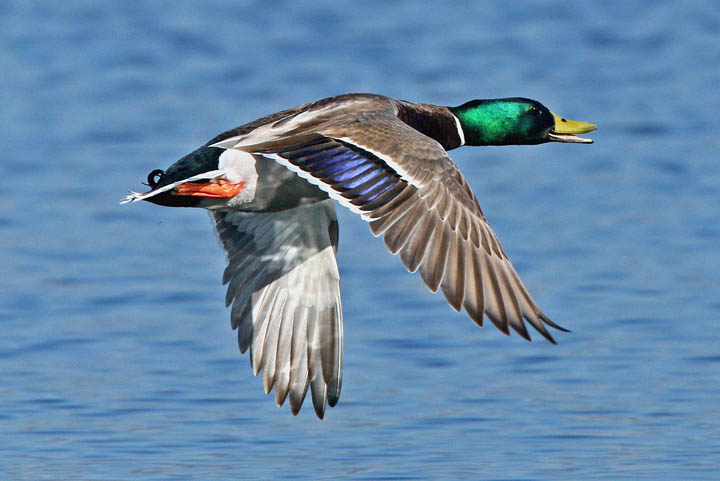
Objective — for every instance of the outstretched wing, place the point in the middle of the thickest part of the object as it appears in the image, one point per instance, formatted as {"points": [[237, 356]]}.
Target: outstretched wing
{"points": [[409, 190], [284, 288]]}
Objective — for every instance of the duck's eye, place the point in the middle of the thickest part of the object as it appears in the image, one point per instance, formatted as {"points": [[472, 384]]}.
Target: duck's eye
{"points": [[534, 111], [155, 177]]}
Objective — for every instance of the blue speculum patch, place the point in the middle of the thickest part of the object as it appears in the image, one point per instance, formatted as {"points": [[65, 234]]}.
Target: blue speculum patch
{"points": [[379, 187], [342, 163], [363, 176], [350, 170], [356, 176]]}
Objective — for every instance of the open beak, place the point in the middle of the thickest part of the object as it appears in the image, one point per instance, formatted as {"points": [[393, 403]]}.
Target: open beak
{"points": [[564, 130]]}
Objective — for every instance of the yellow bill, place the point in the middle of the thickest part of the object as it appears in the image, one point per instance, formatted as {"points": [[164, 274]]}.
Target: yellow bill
{"points": [[564, 130]]}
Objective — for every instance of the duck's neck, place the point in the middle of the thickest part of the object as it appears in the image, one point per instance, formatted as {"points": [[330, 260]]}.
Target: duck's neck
{"points": [[434, 121]]}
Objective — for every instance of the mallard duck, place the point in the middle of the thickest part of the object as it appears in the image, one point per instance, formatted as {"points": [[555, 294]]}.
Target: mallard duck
{"points": [[270, 186]]}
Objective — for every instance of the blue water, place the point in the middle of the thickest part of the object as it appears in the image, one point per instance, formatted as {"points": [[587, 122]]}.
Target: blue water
{"points": [[116, 356]]}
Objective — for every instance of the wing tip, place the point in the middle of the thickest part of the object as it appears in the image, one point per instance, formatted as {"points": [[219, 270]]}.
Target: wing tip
{"points": [[553, 325], [521, 331]]}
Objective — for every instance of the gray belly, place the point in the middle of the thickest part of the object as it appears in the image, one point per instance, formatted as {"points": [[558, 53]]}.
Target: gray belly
{"points": [[280, 189]]}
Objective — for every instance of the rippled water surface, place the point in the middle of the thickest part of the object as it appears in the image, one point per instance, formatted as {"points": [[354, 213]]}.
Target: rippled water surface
{"points": [[116, 356]]}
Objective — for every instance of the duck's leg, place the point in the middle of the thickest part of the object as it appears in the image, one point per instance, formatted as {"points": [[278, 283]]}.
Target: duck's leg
{"points": [[219, 189], [137, 196]]}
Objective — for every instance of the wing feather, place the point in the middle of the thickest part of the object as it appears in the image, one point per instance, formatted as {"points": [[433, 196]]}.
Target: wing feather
{"points": [[284, 288], [408, 189]]}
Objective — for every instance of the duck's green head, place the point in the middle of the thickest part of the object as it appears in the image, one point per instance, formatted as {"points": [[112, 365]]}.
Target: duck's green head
{"points": [[516, 121]]}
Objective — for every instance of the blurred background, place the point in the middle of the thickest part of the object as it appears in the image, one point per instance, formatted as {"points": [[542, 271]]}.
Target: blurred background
{"points": [[116, 356]]}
